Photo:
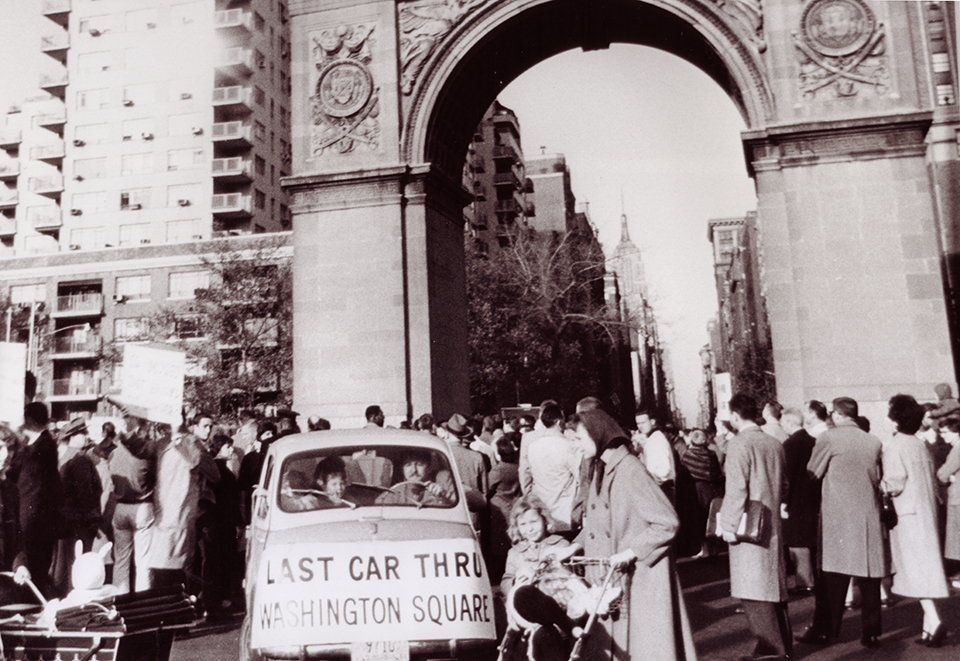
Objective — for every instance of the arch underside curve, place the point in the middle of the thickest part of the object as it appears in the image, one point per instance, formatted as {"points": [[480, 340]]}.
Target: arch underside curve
{"points": [[497, 43]]}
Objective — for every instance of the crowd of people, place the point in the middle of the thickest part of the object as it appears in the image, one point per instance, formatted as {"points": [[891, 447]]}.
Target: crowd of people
{"points": [[825, 504]]}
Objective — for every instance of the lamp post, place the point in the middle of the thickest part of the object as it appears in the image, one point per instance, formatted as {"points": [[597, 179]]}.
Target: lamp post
{"points": [[706, 360]]}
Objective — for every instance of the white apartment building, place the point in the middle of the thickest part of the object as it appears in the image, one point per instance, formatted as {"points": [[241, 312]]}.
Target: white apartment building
{"points": [[165, 122]]}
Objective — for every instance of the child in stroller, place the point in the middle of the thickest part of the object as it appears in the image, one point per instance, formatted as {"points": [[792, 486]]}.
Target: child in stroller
{"points": [[547, 603]]}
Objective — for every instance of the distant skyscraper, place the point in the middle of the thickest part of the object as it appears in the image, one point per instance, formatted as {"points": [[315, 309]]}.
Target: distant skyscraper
{"points": [[164, 123]]}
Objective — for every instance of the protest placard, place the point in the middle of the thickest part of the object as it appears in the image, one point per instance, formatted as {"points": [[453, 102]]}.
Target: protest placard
{"points": [[152, 382], [13, 367]]}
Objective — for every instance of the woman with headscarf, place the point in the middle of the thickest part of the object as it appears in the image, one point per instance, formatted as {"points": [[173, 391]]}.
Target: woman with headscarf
{"points": [[628, 516]]}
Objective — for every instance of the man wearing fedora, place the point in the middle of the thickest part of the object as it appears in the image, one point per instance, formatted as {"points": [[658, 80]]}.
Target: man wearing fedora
{"points": [[471, 465]]}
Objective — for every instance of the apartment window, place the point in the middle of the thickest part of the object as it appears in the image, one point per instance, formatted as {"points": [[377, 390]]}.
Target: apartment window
{"points": [[91, 203], [273, 209], [38, 244], [91, 134], [184, 159], [273, 176], [95, 24], [186, 123], [90, 168], [258, 95], [185, 284], [283, 81], [93, 99], [271, 141], [261, 165], [259, 130], [138, 129], [284, 216], [130, 329], [135, 235], [94, 62], [87, 238], [134, 198], [258, 22], [136, 163], [189, 327], [134, 287], [259, 59], [261, 199], [143, 93], [180, 193], [181, 231], [271, 109], [27, 294], [141, 19]]}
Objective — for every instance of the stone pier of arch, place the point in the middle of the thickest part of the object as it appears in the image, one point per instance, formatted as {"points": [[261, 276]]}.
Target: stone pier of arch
{"points": [[851, 138]]}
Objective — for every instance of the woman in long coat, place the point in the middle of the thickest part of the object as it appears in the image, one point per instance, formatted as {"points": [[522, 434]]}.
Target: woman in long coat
{"points": [[908, 477], [949, 474], [627, 515]]}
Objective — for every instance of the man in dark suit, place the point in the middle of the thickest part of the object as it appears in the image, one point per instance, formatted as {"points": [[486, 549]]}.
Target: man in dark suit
{"points": [[34, 470], [801, 503], [847, 460]]}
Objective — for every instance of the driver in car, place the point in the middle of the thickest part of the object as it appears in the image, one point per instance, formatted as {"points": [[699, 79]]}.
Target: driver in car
{"points": [[416, 488]]}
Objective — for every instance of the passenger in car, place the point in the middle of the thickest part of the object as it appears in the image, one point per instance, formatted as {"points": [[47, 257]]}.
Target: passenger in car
{"points": [[298, 493], [330, 476]]}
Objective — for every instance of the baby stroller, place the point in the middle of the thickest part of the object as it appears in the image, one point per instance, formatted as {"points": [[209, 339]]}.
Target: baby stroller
{"points": [[553, 610]]}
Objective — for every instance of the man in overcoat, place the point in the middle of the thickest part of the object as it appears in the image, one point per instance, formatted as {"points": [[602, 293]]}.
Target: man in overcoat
{"points": [[754, 469], [847, 461], [801, 503]]}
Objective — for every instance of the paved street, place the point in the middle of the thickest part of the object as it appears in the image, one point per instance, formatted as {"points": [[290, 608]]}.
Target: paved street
{"points": [[720, 632]]}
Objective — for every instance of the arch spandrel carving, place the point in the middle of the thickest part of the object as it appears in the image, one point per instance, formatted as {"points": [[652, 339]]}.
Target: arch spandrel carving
{"points": [[442, 41]]}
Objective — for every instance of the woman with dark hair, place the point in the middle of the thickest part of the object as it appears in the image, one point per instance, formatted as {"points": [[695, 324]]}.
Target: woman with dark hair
{"points": [[628, 517], [908, 477]]}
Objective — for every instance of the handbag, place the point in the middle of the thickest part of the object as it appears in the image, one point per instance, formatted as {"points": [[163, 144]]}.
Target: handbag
{"points": [[888, 513], [753, 526]]}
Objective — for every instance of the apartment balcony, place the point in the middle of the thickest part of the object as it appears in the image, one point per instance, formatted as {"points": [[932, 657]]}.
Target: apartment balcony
{"points": [[55, 82], [84, 304], [9, 197], [231, 205], [74, 390], [510, 179], [45, 219], [77, 347], [52, 153], [53, 121], [9, 170], [507, 152], [233, 22], [232, 134], [10, 138], [232, 169], [49, 186], [57, 11], [480, 221], [56, 45], [234, 101], [8, 227], [236, 62]]}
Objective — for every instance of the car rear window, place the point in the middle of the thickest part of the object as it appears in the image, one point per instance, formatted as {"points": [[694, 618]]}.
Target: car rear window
{"points": [[366, 476]]}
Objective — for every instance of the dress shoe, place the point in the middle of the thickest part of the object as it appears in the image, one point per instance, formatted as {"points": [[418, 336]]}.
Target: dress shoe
{"points": [[870, 642], [813, 637], [800, 591], [934, 639]]}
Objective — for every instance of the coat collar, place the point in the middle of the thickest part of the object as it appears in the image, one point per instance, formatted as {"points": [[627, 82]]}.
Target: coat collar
{"points": [[614, 457], [550, 540]]}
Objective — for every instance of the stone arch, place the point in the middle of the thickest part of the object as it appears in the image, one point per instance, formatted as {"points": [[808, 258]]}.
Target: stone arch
{"points": [[492, 46]]}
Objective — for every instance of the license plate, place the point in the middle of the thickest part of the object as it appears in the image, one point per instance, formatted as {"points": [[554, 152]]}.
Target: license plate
{"points": [[388, 650]]}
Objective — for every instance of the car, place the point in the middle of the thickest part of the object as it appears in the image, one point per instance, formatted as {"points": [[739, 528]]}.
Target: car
{"points": [[361, 547]]}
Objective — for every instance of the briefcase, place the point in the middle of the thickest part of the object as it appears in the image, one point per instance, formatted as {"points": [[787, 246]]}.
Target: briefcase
{"points": [[753, 522]]}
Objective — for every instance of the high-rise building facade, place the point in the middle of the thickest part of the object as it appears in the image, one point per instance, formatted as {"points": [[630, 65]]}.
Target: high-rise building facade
{"points": [[494, 173], [164, 123]]}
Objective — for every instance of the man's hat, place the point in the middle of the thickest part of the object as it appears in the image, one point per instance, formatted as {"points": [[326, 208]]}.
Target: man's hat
{"points": [[287, 413], [458, 426], [74, 427]]}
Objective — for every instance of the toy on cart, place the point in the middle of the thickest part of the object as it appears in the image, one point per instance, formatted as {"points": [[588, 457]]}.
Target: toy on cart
{"points": [[92, 623]]}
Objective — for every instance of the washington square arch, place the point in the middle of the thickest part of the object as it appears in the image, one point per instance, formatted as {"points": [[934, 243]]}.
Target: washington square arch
{"points": [[851, 139]]}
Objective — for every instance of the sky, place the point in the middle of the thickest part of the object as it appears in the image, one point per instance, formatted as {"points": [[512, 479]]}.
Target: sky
{"points": [[634, 123], [647, 134]]}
